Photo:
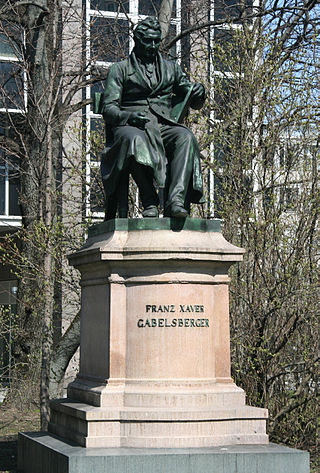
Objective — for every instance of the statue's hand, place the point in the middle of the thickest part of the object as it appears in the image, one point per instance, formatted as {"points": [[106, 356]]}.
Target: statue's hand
{"points": [[198, 92], [198, 96], [138, 119]]}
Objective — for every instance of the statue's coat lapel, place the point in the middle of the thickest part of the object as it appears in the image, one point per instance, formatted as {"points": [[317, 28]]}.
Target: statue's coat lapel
{"points": [[135, 74]]}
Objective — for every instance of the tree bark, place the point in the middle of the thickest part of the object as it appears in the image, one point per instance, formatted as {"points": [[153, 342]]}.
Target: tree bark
{"points": [[61, 356], [165, 14]]}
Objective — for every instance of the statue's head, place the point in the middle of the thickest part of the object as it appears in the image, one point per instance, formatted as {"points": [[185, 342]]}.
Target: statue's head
{"points": [[147, 37]]}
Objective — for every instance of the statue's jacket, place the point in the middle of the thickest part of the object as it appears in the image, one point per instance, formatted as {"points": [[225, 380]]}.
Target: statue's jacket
{"points": [[127, 90]]}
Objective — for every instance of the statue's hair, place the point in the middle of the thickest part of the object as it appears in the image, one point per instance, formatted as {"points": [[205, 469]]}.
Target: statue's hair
{"points": [[149, 23]]}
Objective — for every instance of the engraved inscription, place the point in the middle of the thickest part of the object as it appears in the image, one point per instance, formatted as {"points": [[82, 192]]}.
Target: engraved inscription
{"points": [[153, 320]]}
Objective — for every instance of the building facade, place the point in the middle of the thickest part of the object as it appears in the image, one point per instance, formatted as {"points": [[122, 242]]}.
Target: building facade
{"points": [[105, 36]]}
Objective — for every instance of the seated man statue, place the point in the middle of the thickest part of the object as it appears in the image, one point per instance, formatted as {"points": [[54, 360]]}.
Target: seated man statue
{"points": [[145, 139]]}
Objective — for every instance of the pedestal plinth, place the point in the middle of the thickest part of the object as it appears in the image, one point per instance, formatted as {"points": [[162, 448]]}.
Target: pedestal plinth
{"points": [[155, 356]]}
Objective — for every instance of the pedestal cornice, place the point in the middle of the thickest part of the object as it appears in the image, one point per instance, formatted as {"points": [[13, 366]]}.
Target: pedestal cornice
{"points": [[157, 239]]}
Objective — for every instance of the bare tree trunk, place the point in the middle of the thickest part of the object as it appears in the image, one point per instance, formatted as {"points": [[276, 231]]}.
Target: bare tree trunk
{"points": [[48, 294], [165, 14], [62, 355], [40, 130]]}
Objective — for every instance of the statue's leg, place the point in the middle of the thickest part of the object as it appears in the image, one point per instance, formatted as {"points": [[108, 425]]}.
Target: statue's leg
{"points": [[111, 207], [187, 202], [131, 142], [143, 177], [118, 201], [181, 146], [123, 194]]}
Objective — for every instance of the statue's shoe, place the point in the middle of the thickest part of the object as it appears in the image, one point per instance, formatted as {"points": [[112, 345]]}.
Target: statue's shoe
{"points": [[177, 211], [150, 211]]}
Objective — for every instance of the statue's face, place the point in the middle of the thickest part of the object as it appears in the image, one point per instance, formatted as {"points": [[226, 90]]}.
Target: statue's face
{"points": [[148, 44]]}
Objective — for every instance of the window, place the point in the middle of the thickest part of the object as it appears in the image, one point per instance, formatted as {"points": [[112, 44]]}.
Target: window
{"points": [[107, 5], [8, 291], [109, 39], [231, 9], [5, 344], [9, 185], [223, 97], [11, 103], [151, 7], [289, 197], [7, 48], [11, 75], [288, 155], [97, 195], [223, 46], [11, 90]]}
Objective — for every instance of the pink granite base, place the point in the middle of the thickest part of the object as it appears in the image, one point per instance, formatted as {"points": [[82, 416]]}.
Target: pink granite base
{"points": [[155, 348], [158, 427]]}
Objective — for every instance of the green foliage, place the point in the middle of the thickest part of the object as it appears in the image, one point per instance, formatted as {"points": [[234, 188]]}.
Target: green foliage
{"points": [[25, 252], [260, 141]]}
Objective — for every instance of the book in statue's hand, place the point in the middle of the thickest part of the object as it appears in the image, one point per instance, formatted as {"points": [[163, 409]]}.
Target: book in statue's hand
{"points": [[180, 106]]}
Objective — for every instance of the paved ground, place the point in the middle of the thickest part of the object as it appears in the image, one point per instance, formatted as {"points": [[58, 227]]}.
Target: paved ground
{"points": [[8, 454]]}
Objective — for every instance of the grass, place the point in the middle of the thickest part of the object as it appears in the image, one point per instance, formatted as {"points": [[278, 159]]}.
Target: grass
{"points": [[315, 463], [12, 421]]}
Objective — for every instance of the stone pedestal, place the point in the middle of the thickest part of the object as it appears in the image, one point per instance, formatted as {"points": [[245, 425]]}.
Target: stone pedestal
{"points": [[155, 355], [43, 453]]}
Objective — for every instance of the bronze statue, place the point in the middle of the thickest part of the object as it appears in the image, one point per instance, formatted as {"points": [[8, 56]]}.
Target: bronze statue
{"points": [[144, 137]]}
